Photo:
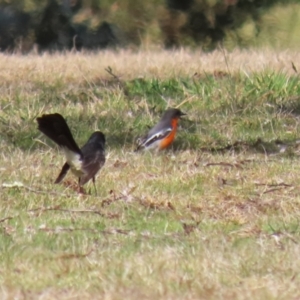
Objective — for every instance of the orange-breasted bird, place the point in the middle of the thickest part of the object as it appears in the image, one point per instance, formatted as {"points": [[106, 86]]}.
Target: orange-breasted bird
{"points": [[162, 135], [85, 162]]}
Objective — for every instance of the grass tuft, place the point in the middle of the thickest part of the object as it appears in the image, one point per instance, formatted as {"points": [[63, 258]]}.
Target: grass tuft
{"points": [[215, 216]]}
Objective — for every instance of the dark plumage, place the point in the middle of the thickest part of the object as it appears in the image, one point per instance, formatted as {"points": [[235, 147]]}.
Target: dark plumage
{"points": [[84, 162]]}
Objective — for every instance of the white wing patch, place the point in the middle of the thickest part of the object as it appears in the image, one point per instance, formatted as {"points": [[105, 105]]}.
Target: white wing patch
{"points": [[152, 141]]}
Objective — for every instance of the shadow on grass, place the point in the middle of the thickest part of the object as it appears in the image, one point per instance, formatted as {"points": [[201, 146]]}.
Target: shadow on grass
{"points": [[24, 137], [276, 147], [290, 107], [289, 148]]}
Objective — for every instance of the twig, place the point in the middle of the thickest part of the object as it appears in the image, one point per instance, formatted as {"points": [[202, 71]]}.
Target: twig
{"points": [[222, 164], [57, 208], [185, 101], [108, 201], [72, 255], [48, 192], [7, 218], [70, 229], [226, 148], [45, 192], [110, 72], [294, 68], [274, 185], [273, 190]]}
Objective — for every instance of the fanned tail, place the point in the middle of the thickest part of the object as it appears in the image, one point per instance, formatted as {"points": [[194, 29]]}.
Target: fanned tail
{"points": [[55, 127]]}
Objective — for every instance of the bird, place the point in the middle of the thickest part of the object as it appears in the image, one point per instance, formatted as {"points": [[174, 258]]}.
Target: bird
{"points": [[162, 135], [85, 162]]}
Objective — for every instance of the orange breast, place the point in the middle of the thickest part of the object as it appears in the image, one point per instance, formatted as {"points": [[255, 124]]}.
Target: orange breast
{"points": [[168, 140]]}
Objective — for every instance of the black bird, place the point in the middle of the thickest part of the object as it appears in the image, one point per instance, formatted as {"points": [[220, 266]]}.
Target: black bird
{"points": [[84, 162]]}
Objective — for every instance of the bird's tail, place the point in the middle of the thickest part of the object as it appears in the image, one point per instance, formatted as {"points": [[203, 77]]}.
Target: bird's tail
{"points": [[62, 173], [55, 127]]}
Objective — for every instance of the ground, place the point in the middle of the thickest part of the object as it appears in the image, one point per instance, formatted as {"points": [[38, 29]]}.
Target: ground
{"points": [[216, 216]]}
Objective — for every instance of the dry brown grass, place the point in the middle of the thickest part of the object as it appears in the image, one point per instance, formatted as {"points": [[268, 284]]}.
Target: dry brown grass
{"points": [[81, 67], [189, 223]]}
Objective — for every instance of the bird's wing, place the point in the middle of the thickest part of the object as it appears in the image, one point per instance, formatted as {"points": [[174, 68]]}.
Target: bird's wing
{"points": [[93, 157], [92, 163], [152, 138]]}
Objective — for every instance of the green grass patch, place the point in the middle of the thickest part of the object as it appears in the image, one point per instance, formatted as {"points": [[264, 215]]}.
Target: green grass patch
{"points": [[215, 216]]}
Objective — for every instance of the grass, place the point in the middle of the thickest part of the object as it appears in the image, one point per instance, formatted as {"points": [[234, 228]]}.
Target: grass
{"points": [[216, 216]]}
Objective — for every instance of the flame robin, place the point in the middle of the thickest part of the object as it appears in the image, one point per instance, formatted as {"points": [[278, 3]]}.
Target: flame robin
{"points": [[162, 135]]}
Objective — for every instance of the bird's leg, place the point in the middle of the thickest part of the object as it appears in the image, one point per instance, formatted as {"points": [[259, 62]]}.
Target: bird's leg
{"points": [[95, 186], [80, 188]]}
